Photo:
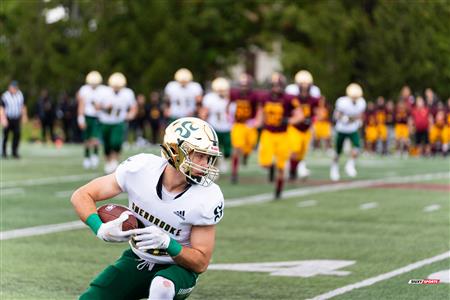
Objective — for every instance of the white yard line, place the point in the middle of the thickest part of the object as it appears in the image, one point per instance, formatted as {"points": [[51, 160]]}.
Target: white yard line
{"points": [[307, 203], [30, 231], [369, 205], [267, 197], [13, 191], [385, 276], [431, 208], [39, 230], [48, 180]]}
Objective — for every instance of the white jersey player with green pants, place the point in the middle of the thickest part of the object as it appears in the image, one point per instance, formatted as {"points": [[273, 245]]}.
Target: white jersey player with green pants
{"points": [[117, 106], [348, 114], [175, 199]]}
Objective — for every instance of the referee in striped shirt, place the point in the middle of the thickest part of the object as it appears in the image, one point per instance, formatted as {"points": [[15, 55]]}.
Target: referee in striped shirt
{"points": [[12, 110]]}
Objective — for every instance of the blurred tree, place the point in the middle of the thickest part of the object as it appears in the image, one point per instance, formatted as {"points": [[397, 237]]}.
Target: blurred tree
{"points": [[378, 43]]}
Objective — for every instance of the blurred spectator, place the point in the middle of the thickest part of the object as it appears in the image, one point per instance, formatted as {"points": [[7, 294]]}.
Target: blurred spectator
{"points": [[420, 121], [138, 124], [430, 97], [438, 135], [12, 112], [67, 112], [370, 128], [155, 117], [45, 109]]}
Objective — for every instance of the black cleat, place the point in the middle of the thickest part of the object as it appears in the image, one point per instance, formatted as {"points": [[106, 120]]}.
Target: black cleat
{"points": [[234, 179]]}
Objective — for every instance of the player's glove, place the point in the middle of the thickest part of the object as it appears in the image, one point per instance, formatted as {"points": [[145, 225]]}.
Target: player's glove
{"points": [[150, 237], [112, 231]]}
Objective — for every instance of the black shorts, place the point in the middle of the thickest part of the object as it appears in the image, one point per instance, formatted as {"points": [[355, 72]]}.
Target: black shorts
{"points": [[421, 137]]}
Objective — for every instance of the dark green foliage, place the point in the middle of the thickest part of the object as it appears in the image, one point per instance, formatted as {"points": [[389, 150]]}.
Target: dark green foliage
{"points": [[380, 44]]}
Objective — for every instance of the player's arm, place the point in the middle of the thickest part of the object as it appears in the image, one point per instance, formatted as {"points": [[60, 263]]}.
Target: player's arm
{"points": [[132, 112], [3, 119], [296, 117], [197, 257], [259, 118], [101, 188], [83, 201], [80, 112]]}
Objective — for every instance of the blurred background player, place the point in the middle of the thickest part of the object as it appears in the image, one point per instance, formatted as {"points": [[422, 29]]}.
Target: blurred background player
{"points": [[402, 124], [348, 113], [300, 134], [183, 96], [438, 135], [382, 129], [276, 111], [215, 112], [89, 97], [407, 97], [244, 135], [390, 123], [322, 126], [420, 117], [12, 113], [116, 107], [370, 128]]}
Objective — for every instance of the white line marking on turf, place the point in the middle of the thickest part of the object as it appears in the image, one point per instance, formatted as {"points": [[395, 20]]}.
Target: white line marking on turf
{"points": [[39, 230], [269, 196], [431, 208], [48, 180], [373, 280], [369, 205], [13, 191], [307, 203]]}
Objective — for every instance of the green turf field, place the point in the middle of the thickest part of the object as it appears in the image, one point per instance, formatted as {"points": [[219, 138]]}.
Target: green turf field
{"points": [[370, 230]]}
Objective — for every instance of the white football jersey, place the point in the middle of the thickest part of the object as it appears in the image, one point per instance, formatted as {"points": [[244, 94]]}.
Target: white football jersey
{"points": [[347, 107], [182, 99], [115, 106], [90, 97], [218, 116], [294, 89], [140, 177]]}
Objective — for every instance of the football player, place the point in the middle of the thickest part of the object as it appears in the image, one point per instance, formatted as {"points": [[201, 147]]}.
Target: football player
{"points": [[322, 125], [300, 134], [175, 198], [215, 112], [116, 107], [348, 114], [402, 121], [438, 135], [370, 128], [276, 111], [88, 98], [244, 135], [183, 96], [382, 116]]}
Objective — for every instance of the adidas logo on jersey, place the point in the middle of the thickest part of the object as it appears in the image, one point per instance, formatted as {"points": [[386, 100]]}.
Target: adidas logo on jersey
{"points": [[180, 213]]}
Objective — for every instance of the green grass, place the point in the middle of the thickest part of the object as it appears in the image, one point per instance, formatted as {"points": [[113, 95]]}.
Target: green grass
{"points": [[394, 234]]}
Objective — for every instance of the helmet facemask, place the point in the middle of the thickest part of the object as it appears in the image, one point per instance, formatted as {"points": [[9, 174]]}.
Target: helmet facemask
{"points": [[179, 156]]}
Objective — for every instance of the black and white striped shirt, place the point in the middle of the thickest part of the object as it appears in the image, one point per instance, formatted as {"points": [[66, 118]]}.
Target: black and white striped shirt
{"points": [[13, 104]]}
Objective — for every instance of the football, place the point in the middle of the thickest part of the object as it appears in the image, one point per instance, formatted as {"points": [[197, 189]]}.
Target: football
{"points": [[109, 212]]}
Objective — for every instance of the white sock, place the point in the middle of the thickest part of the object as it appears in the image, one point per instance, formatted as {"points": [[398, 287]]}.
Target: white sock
{"points": [[161, 289]]}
